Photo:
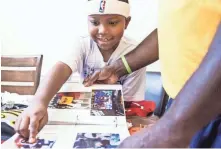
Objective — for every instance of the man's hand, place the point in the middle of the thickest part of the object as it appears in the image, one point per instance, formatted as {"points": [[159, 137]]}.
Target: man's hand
{"points": [[151, 137], [135, 141], [31, 121], [106, 75]]}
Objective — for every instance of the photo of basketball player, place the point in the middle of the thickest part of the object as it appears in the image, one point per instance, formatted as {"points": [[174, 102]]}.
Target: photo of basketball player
{"points": [[106, 103], [40, 144], [71, 100], [96, 140]]}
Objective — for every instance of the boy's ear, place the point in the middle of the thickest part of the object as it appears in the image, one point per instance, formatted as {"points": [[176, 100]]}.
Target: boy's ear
{"points": [[127, 22]]}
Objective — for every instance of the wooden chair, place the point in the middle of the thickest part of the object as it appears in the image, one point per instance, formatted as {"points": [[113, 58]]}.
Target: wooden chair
{"points": [[20, 74]]}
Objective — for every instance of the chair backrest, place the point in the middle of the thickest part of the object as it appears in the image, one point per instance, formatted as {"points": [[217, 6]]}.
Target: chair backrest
{"points": [[20, 74], [155, 92]]}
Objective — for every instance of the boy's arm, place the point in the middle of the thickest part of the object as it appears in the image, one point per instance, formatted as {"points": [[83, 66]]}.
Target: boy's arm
{"points": [[33, 119], [144, 54], [68, 62], [56, 77]]}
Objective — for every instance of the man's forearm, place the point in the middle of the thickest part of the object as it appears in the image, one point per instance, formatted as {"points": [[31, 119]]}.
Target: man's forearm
{"points": [[197, 103], [52, 83], [144, 54]]}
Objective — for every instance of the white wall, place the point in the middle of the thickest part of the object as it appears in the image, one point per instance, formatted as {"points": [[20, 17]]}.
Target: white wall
{"points": [[48, 26]]}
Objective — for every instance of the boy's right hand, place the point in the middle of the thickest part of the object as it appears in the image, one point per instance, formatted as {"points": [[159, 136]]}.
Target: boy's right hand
{"points": [[31, 121]]}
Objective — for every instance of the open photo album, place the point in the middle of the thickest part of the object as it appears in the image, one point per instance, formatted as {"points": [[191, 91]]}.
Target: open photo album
{"points": [[90, 117]]}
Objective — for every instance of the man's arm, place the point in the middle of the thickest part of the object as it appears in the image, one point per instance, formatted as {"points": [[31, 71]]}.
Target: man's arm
{"points": [[200, 99], [144, 54], [196, 104]]}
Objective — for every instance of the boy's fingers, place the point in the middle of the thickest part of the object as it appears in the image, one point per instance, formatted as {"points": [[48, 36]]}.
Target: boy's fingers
{"points": [[42, 123], [17, 124], [23, 128], [34, 126]]}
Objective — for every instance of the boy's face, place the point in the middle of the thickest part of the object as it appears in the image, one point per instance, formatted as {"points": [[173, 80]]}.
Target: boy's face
{"points": [[107, 30]]}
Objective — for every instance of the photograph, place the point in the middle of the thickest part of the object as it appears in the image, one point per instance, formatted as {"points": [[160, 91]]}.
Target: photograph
{"points": [[107, 103], [71, 100], [40, 144], [97, 140]]}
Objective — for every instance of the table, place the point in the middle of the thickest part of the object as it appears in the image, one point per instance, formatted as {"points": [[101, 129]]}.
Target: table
{"points": [[136, 121]]}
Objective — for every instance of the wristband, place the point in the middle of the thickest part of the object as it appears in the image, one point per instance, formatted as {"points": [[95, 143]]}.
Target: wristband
{"points": [[126, 64]]}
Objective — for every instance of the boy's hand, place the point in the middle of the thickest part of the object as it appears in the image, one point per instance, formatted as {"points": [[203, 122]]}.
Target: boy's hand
{"points": [[31, 121], [107, 75]]}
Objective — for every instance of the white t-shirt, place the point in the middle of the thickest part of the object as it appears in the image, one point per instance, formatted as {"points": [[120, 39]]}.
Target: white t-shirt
{"points": [[85, 58]]}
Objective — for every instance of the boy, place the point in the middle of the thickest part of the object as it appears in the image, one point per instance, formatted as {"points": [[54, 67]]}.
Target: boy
{"points": [[107, 20]]}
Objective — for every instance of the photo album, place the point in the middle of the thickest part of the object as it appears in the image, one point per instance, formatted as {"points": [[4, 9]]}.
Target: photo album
{"points": [[90, 117]]}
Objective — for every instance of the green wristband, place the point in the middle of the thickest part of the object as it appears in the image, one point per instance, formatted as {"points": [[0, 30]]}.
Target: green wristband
{"points": [[126, 64]]}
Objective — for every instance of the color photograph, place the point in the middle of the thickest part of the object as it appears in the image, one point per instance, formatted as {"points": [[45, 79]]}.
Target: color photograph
{"points": [[71, 100], [107, 103], [97, 140], [40, 144]]}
